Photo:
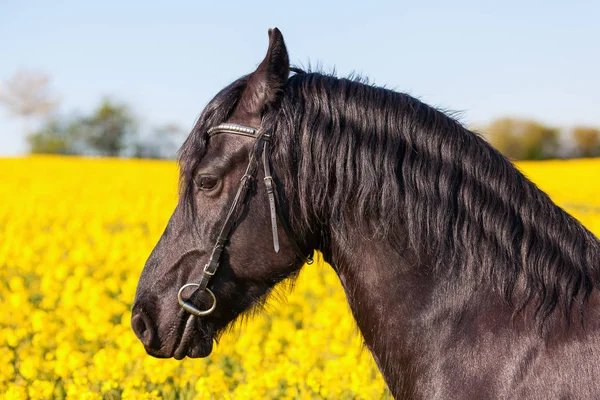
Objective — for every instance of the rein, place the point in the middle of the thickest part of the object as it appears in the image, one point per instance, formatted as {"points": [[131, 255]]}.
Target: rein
{"points": [[239, 201]]}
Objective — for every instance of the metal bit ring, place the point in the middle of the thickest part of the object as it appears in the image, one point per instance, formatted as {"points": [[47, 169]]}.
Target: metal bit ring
{"points": [[190, 307]]}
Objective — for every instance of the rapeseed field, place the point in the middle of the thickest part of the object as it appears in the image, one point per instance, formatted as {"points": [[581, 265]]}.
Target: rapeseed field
{"points": [[74, 236]]}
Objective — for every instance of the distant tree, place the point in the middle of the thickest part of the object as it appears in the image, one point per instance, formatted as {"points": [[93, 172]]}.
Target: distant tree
{"points": [[523, 139], [587, 141], [27, 94], [109, 129], [500, 134], [162, 143], [54, 137]]}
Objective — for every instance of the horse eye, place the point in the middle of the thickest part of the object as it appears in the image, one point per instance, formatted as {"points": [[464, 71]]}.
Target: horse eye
{"points": [[207, 182]]}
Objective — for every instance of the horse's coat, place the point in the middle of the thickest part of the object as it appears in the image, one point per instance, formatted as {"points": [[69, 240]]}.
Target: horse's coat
{"points": [[466, 281]]}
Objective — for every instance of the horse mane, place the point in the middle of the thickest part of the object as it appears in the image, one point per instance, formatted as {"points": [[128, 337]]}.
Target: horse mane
{"points": [[364, 156], [350, 154]]}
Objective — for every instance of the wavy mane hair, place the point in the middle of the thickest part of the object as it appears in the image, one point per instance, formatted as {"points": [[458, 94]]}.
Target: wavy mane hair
{"points": [[350, 155]]}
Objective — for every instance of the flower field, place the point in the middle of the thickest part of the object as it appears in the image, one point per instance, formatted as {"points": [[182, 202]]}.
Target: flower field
{"points": [[74, 236]]}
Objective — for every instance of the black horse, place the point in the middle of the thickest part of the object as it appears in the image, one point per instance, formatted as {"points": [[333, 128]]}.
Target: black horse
{"points": [[465, 280]]}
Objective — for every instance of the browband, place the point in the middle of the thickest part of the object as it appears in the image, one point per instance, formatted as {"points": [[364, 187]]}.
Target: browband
{"points": [[236, 130]]}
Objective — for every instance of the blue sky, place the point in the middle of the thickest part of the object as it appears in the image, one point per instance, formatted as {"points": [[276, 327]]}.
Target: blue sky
{"points": [[536, 59]]}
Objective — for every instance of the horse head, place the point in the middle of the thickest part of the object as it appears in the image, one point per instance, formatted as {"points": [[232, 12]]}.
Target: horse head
{"points": [[216, 259]]}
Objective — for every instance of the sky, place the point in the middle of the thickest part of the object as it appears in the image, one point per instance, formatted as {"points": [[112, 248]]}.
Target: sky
{"points": [[485, 60]]}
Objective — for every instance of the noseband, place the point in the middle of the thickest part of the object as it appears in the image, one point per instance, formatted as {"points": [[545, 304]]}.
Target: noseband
{"points": [[235, 209]]}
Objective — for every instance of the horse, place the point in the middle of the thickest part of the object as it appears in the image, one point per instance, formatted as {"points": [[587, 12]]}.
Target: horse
{"points": [[465, 280]]}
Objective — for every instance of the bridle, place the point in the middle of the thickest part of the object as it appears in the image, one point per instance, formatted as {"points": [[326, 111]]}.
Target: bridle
{"points": [[239, 202]]}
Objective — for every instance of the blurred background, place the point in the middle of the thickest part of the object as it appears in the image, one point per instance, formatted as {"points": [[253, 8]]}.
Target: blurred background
{"points": [[128, 79]]}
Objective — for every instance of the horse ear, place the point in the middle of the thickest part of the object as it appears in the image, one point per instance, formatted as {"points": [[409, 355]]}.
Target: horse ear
{"points": [[265, 83]]}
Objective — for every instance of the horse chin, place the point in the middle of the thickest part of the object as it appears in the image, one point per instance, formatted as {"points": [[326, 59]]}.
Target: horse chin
{"points": [[199, 349], [196, 340]]}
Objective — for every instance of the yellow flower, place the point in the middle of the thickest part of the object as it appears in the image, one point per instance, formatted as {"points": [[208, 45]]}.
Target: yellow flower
{"points": [[41, 389], [16, 392]]}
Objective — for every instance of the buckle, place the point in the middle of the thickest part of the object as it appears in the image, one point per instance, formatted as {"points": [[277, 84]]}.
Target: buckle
{"points": [[269, 183], [206, 271]]}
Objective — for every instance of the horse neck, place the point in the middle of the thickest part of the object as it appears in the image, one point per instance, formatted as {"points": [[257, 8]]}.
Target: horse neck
{"points": [[404, 312]]}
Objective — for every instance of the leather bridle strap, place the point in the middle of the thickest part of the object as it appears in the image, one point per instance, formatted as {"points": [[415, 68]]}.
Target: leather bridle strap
{"points": [[232, 216], [276, 211], [270, 186], [234, 212]]}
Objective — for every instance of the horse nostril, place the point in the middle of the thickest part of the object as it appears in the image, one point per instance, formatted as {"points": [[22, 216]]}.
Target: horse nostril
{"points": [[142, 326]]}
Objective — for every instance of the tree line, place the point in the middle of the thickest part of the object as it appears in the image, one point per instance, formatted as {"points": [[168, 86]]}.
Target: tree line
{"points": [[113, 130], [110, 130], [522, 139]]}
